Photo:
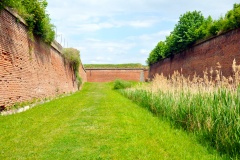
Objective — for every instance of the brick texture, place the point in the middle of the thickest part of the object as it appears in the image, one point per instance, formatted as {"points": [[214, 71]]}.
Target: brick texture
{"points": [[108, 75], [223, 49], [30, 69], [82, 73]]}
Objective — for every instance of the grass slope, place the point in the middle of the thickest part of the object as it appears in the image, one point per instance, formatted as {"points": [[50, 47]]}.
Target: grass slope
{"points": [[114, 66], [95, 123]]}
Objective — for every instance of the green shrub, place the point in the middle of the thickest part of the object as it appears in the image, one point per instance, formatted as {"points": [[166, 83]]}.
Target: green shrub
{"points": [[79, 80], [215, 27], [185, 32], [159, 52], [232, 18], [121, 84], [72, 55], [34, 13]]}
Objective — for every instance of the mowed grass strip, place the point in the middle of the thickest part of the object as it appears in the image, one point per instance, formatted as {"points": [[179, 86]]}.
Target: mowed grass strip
{"points": [[95, 123]]}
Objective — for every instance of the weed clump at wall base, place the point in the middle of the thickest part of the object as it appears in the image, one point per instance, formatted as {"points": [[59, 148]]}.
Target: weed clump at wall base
{"points": [[208, 107], [121, 84]]}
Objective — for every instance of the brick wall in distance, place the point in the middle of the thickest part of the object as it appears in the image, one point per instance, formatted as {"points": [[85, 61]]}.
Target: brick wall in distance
{"points": [[82, 73], [223, 49], [30, 69], [108, 75]]}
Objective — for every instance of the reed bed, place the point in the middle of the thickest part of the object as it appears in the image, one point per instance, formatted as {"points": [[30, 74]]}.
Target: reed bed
{"points": [[209, 106]]}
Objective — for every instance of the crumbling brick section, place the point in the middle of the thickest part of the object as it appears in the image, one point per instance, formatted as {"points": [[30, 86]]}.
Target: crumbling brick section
{"points": [[29, 68], [203, 56], [108, 75]]}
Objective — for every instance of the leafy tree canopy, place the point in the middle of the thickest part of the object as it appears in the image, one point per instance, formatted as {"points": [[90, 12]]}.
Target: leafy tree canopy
{"points": [[192, 27]]}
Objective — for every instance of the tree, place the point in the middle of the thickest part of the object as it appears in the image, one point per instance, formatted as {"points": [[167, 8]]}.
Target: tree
{"points": [[9, 3], [186, 31], [203, 30], [191, 27], [157, 53], [171, 48], [152, 57], [233, 18]]}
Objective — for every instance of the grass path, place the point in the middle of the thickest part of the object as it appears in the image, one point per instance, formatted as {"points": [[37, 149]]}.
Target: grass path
{"points": [[95, 123]]}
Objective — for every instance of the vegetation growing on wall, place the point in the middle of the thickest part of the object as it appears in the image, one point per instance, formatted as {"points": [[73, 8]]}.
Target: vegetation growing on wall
{"points": [[73, 56], [192, 27], [34, 13]]}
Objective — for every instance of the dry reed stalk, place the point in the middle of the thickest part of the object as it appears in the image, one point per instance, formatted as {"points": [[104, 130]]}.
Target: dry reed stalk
{"points": [[177, 82], [207, 106]]}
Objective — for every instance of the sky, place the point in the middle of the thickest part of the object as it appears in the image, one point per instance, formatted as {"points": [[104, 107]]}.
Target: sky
{"points": [[118, 31]]}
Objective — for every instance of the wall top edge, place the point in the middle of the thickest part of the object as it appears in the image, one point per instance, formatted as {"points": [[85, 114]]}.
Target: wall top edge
{"points": [[15, 14], [54, 44], [200, 42]]}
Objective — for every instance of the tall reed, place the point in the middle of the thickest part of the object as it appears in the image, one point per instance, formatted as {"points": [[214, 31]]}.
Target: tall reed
{"points": [[209, 107]]}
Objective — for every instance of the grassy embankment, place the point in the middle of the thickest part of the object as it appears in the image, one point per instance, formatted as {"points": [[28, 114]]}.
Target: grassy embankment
{"points": [[95, 123]]}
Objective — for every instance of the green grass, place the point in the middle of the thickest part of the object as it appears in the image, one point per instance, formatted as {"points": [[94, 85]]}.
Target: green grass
{"points": [[121, 84], [95, 123], [114, 66], [212, 117]]}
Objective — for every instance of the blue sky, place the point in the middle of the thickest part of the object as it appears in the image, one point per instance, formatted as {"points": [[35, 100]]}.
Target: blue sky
{"points": [[118, 31]]}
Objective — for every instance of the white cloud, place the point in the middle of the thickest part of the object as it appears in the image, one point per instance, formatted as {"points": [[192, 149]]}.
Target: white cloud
{"points": [[93, 8], [150, 38], [141, 23], [123, 51], [144, 51], [136, 26], [93, 27], [110, 49]]}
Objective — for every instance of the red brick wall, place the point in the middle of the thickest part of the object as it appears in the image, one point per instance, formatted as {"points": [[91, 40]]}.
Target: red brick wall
{"points": [[82, 73], [223, 49], [29, 69], [108, 75]]}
